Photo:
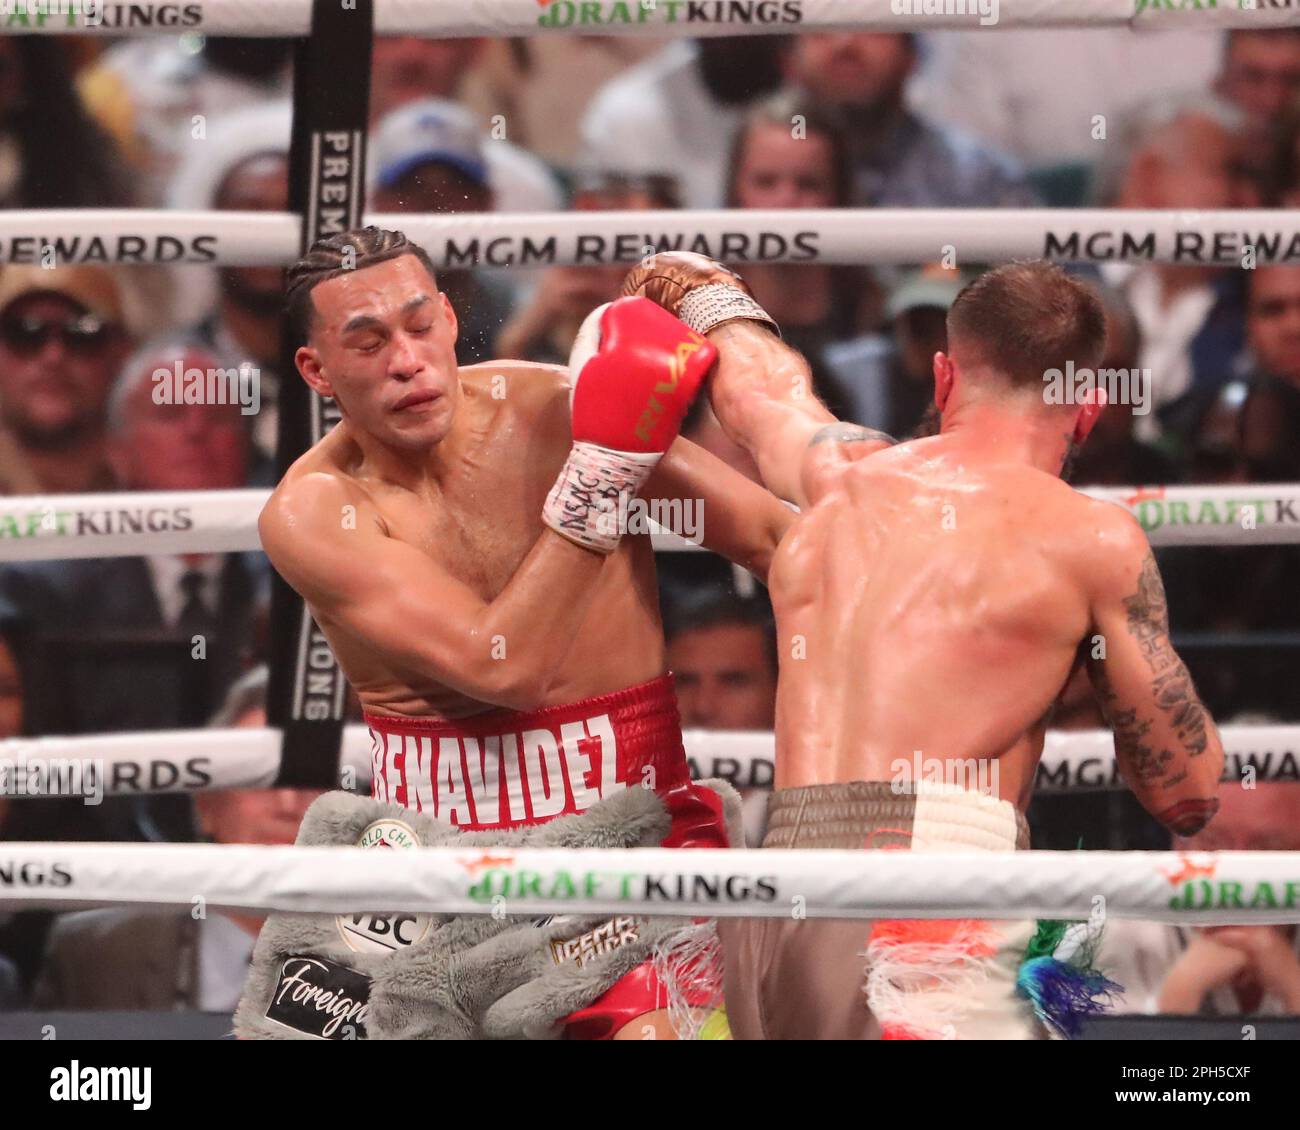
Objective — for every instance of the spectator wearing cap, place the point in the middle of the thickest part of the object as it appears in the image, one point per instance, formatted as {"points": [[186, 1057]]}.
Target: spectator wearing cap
{"points": [[242, 165], [62, 341], [888, 378], [430, 157], [518, 181]]}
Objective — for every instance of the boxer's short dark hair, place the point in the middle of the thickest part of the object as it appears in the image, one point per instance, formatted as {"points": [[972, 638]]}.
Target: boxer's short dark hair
{"points": [[326, 259], [1025, 318]]}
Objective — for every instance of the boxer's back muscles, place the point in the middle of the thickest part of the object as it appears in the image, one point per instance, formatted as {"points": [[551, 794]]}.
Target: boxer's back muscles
{"points": [[929, 604], [403, 583]]}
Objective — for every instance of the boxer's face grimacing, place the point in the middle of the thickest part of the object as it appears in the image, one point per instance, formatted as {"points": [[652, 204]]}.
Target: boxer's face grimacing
{"points": [[383, 344]]}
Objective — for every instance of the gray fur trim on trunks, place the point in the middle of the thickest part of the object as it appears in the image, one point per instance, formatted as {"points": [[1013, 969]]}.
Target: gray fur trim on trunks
{"points": [[466, 977]]}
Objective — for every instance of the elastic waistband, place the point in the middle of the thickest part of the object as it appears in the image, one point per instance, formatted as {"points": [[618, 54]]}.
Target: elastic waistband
{"points": [[506, 768], [884, 815], [655, 699]]}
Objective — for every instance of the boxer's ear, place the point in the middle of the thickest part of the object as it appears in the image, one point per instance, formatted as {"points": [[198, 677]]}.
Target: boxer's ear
{"points": [[944, 376], [308, 362], [1094, 403], [450, 312]]}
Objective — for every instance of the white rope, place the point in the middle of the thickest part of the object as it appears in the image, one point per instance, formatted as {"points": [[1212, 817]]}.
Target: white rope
{"points": [[187, 761], [624, 17], [1255, 887], [67, 526], [543, 239]]}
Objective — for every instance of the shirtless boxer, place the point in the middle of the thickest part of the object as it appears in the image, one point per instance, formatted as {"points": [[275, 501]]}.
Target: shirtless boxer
{"points": [[935, 596], [445, 538]]}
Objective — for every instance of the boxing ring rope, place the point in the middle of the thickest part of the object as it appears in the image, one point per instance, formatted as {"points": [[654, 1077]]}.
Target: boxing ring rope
{"points": [[848, 236], [1253, 887], [131, 764], [1204, 888], [129, 524], [450, 18]]}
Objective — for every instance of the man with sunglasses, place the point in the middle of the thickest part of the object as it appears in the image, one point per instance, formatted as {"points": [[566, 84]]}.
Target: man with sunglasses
{"points": [[62, 341]]}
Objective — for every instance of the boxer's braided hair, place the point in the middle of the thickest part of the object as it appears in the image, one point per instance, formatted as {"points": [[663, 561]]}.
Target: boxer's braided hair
{"points": [[337, 255]]}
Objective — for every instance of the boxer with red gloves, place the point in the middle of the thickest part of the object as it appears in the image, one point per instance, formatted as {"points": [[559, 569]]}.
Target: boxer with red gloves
{"points": [[459, 538]]}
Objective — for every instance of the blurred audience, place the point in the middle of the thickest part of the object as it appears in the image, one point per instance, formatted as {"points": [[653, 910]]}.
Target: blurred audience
{"points": [[125, 958], [430, 157], [540, 86], [898, 159], [1181, 154], [1261, 71], [131, 643], [1281, 173], [676, 113], [722, 653], [408, 70], [236, 312], [543, 326], [52, 152], [787, 157], [887, 378], [62, 340], [1042, 94], [1113, 455], [1216, 970], [160, 96]]}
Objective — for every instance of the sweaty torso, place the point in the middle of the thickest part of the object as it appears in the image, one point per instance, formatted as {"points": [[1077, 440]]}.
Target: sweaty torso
{"points": [[480, 524], [930, 610]]}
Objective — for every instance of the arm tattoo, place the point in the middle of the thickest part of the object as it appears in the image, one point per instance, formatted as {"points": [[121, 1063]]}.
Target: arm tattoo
{"points": [[1188, 817], [1147, 614], [849, 433], [1148, 622]]}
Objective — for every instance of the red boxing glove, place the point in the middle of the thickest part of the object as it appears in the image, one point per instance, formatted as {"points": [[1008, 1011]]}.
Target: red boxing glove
{"points": [[635, 371]]}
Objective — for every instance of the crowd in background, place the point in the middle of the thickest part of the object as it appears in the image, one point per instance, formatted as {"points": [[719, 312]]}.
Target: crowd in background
{"points": [[1187, 121]]}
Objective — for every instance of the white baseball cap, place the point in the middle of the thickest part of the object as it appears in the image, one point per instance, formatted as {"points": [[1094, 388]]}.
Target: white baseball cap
{"points": [[427, 131]]}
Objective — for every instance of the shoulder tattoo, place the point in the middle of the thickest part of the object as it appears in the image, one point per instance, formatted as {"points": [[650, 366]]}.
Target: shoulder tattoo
{"points": [[849, 433]]}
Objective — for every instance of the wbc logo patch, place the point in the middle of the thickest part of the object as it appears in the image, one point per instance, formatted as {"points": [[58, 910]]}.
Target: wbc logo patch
{"points": [[384, 933]]}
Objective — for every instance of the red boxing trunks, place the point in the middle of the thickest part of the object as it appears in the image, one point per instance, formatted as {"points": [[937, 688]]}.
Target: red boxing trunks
{"points": [[505, 769]]}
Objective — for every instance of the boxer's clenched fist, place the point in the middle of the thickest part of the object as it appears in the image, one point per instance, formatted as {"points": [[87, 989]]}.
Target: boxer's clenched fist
{"points": [[701, 292], [635, 370]]}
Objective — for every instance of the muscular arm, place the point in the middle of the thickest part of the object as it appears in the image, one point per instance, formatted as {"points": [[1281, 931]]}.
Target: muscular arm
{"points": [[762, 394], [1166, 743], [414, 613], [739, 519]]}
